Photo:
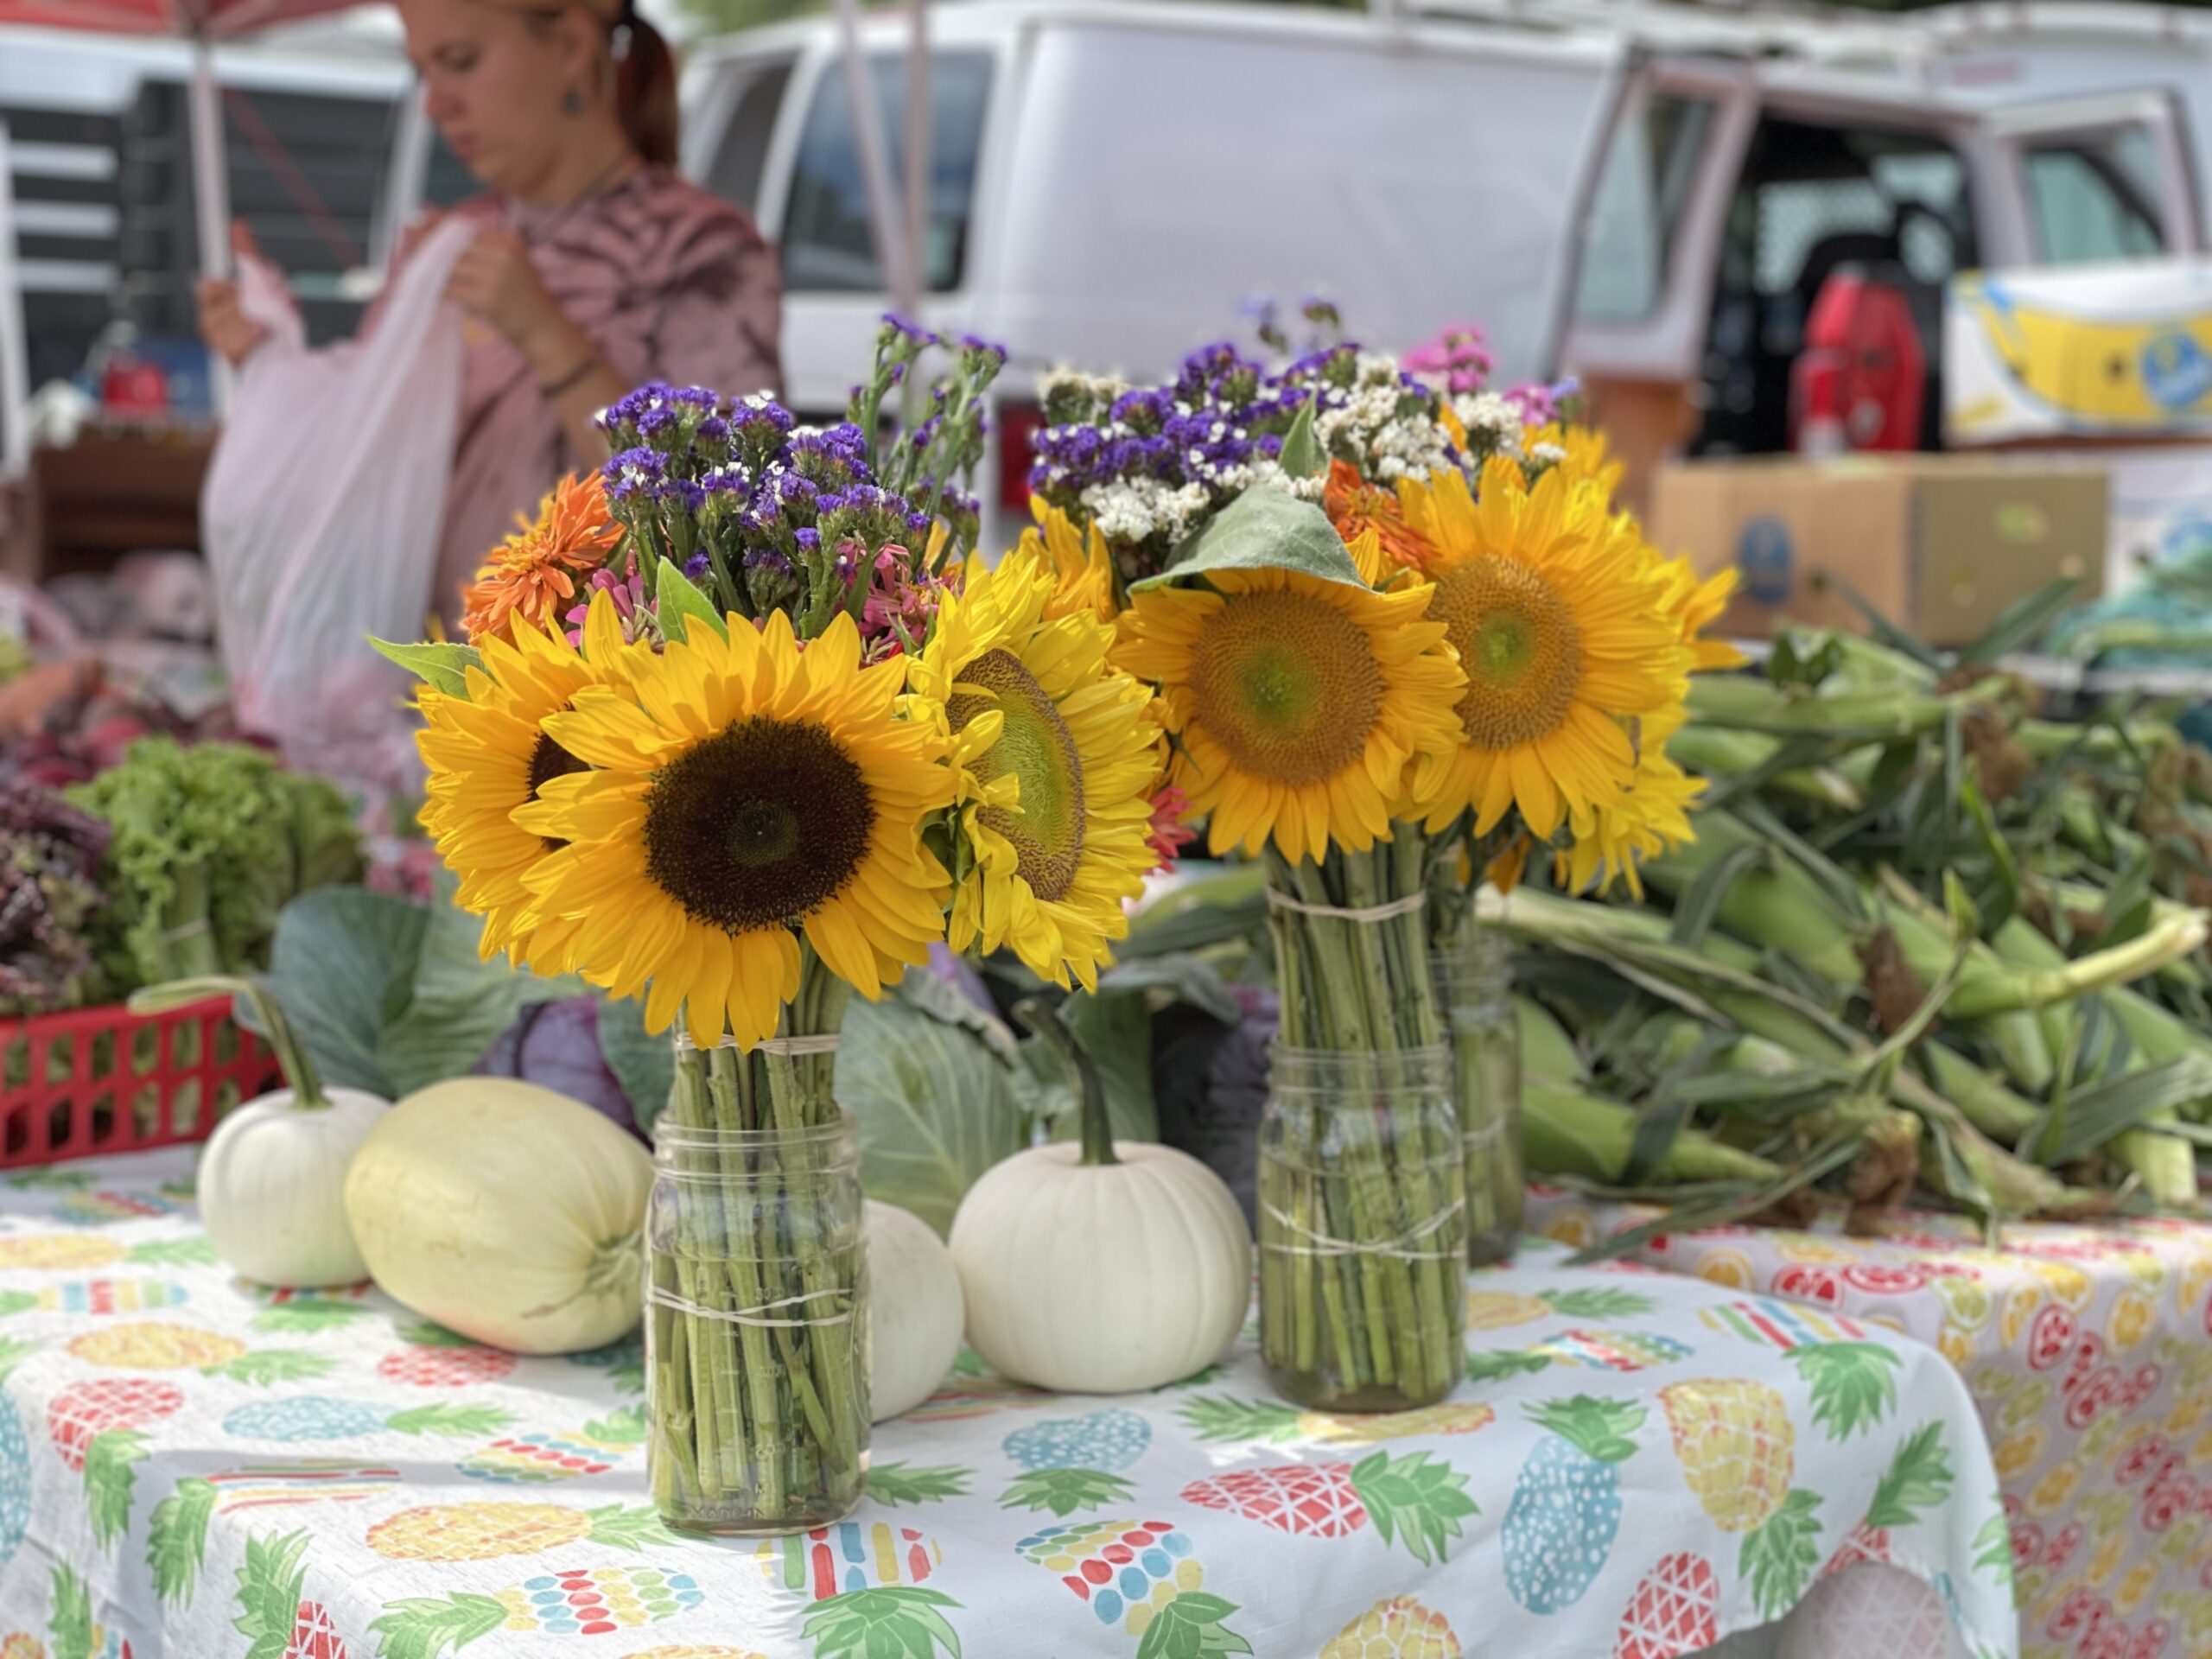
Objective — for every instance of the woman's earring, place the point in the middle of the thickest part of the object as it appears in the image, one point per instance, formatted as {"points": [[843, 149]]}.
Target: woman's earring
{"points": [[573, 102]]}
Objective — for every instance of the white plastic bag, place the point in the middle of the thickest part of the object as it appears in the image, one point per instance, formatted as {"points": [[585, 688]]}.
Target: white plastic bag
{"points": [[321, 511]]}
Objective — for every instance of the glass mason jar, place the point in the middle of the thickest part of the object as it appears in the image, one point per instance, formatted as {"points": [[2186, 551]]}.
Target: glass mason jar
{"points": [[1362, 1229], [756, 1327], [1474, 986]]}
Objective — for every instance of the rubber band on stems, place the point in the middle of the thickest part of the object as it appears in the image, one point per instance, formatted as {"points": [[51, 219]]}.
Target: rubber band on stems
{"points": [[661, 1297], [1397, 907], [1326, 1246], [823, 1042]]}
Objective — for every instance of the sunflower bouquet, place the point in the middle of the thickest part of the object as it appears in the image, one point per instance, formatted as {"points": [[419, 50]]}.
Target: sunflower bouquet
{"points": [[737, 730], [1401, 638]]}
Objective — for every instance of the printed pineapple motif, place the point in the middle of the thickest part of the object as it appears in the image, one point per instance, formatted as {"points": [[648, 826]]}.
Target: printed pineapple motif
{"points": [[1785, 1325], [273, 1615], [481, 1532], [96, 1428], [893, 1484], [1223, 1417], [1407, 1498], [15, 1460], [438, 1359], [540, 1459], [97, 1296], [582, 1601], [1737, 1450], [1918, 1477], [1141, 1575], [163, 1345], [1674, 1610], [22, 1644], [1566, 1509], [312, 1417], [1073, 1462], [1597, 1350], [67, 1252], [1400, 1628], [1854, 1384], [100, 1208], [1497, 1309], [867, 1586], [71, 1628], [623, 1363], [176, 1536], [312, 1315], [683, 1651]]}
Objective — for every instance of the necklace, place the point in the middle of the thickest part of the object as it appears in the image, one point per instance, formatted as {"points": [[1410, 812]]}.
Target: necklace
{"points": [[602, 184]]}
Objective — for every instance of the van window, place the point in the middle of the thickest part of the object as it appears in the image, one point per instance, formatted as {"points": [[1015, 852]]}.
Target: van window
{"points": [[742, 154], [827, 242], [1629, 240], [2095, 195]]}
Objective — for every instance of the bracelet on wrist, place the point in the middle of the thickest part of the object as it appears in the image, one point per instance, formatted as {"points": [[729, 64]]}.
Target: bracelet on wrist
{"points": [[555, 388]]}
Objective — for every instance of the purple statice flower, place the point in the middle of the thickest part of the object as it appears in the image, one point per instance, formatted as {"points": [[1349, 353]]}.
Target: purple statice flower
{"points": [[695, 567], [697, 396], [681, 492], [654, 422], [714, 430], [631, 472], [809, 540]]}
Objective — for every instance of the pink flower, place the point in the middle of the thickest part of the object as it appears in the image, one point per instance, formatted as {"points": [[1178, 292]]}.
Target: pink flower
{"points": [[1457, 357], [638, 619], [1168, 835], [899, 609]]}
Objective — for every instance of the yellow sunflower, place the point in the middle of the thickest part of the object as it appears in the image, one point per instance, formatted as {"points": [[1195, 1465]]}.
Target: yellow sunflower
{"points": [[1649, 817], [488, 753], [1697, 604], [1056, 756], [1587, 460], [1556, 610], [745, 789], [1082, 565], [1297, 704], [529, 580]]}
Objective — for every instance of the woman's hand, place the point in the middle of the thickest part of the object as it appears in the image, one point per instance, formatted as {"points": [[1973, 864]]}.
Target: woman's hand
{"points": [[494, 279], [223, 325]]}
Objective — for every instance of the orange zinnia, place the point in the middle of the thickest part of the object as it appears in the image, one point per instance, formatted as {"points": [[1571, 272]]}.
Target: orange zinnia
{"points": [[1355, 506], [532, 574]]}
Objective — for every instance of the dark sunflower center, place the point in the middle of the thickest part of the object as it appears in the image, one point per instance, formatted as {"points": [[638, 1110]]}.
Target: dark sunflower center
{"points": [[1287, 685], [1037, 748], [758, 825], [549, 760], [1519, 645]]}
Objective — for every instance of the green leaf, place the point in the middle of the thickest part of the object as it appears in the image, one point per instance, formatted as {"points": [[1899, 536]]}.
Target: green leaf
{"points": [[1261, 529], [109, 1480], [1222, 1417], [176, 1539], [1701, 903], [311, 1315], [449, 1420], [1416, 1498], [272, 1365], [679, 604], [893, 1484], [439, 664], [1503, 1362], [1853, 1383], [1779, 1557], [893, 1622], [1115, 1028], [71, 1622], [1918, 1477], [2021, 623], [628, 1528], [1598, 1303], [2093, 1114], [392, 996], [935, 1106], [1191, 1625], [1993, 1548], [174, 1253], [1065, 1491], [425, 1628], [13, 1302], [1302, 455], [270, 1583], [643, 1062]]}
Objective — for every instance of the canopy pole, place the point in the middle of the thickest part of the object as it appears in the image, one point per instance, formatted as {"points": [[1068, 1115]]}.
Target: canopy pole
{"points": [[15, 365], [886, 219], [211, 191], [918, 141]]}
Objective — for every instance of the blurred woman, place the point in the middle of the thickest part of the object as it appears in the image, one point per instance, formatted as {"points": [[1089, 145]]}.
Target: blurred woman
{"points": [[594, 267]]}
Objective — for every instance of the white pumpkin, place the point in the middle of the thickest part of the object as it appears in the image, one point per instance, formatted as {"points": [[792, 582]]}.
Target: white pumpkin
{"points": [[915, 1312], [1093, 1277], [505, 1211], [271, 1183]]}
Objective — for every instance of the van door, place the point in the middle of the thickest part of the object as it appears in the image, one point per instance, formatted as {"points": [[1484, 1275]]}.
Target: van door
{"points": [[1651, 243], [2095, 178]]}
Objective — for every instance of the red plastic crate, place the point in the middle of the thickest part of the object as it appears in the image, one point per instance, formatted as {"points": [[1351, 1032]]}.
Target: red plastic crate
{"points": [[103, 1080]]}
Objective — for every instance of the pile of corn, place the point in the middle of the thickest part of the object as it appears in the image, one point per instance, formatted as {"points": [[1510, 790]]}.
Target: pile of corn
{"points": [[1924, 940]]}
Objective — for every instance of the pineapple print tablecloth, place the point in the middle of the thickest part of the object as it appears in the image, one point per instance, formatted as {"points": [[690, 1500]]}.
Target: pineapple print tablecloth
{"points": [[2089, 1353], [1637, 1466]]}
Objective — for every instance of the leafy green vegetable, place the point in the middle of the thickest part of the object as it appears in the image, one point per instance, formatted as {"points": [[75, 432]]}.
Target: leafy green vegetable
{"points": [[390, 995], [210, 842]]}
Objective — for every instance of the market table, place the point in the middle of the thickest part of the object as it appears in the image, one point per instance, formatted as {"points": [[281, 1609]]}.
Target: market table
{"points": [[2088, 1350], [1638, 1464]]}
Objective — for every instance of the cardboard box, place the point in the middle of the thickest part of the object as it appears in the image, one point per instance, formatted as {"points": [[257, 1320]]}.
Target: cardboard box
{"points": [[1940, 544], [2112, 351]]}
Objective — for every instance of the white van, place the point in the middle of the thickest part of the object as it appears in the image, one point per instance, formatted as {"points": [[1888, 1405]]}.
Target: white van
{"points": [[1647, 196]]}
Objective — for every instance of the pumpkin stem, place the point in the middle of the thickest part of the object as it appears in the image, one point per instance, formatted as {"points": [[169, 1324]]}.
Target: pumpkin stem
{"points": [[1042, 1018], [292, 1057]]}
